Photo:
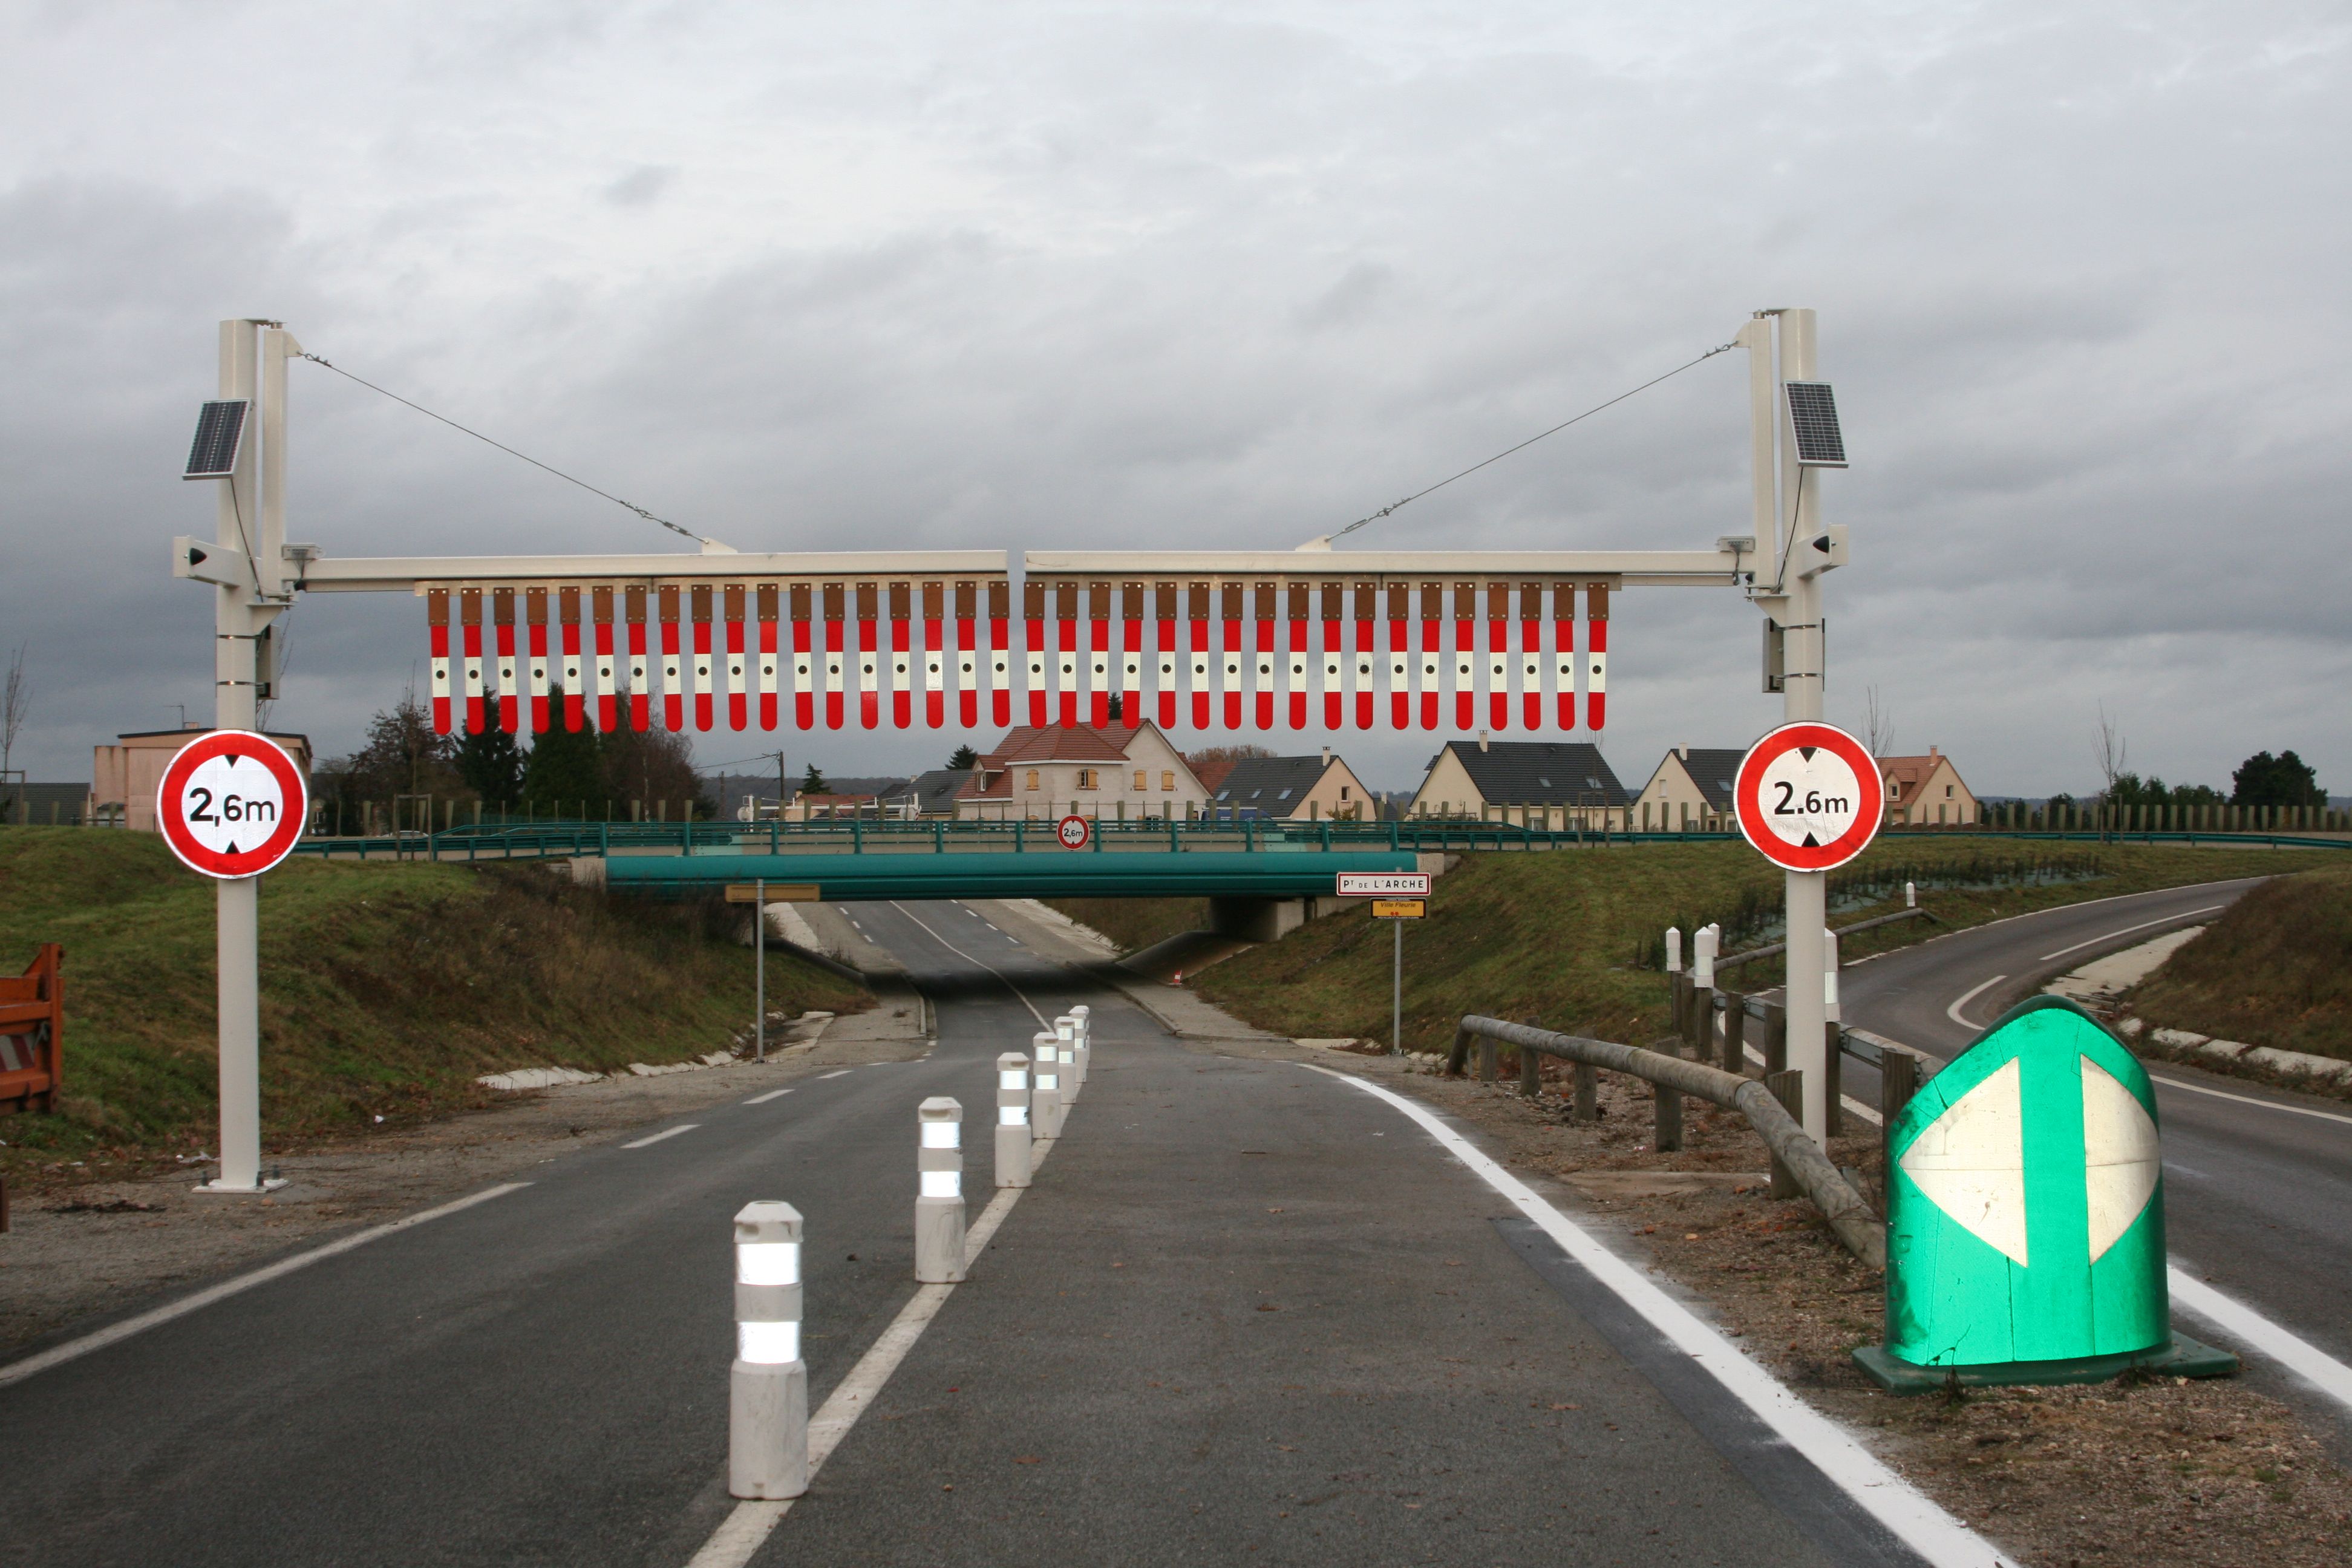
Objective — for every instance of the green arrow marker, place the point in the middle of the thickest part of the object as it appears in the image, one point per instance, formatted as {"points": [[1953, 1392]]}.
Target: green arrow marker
{"points": [[2026, 1216]]}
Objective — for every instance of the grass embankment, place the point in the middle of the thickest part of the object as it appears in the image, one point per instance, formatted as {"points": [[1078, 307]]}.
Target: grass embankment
{"points": [[2273, 968], [1136, 923], [385, 990], [1568, 940]]}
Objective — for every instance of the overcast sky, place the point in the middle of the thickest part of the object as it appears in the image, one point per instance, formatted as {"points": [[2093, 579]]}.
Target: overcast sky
{"points": [[1013, 275]]}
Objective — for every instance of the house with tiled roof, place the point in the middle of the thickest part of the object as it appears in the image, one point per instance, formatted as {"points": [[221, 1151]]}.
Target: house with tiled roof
{"points": [[1044, 771], [1537, 781], [1690, 790], [1307, 789], [1927, 790]]}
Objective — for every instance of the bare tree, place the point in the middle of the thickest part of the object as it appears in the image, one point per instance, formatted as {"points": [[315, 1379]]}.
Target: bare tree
{"points": [[1877, 725], [2108, 749], [15, 702]]}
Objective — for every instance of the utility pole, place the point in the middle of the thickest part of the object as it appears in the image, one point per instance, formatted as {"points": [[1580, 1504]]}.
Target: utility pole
{"points": [[1787, 589]]}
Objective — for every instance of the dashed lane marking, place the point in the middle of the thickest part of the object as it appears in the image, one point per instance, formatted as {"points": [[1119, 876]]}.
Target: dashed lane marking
{"points": [[763, 1098], [664, 1132]]}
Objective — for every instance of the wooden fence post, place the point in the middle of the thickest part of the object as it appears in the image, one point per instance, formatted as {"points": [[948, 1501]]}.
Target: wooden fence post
{"points": [[1789, 1088], [1666, 1109], [1586, 1107], [1734, 1033], [1776, 1039], [1898, 1080]]}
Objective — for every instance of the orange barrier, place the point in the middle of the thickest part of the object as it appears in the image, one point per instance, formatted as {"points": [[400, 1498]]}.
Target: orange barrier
{"points": [[32, 1032]]}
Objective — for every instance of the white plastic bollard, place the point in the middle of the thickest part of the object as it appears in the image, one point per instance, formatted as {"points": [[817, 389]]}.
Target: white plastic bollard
{"points": [[1046, 1091], [1703, 943], [939, 1204], [1085, 1017], [1065, 1049], [767, 1403], [1910, 896], [1829, 975], [1012, 1138], [1674, 951]]}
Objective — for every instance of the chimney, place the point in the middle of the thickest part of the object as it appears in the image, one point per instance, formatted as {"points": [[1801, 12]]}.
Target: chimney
{"points": [[1482, 740], [1683, 752], [1931, 751], [1327, 756]]}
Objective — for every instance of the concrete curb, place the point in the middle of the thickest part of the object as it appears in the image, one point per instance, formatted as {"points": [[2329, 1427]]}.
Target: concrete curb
{"points": [[2297, 1067]]}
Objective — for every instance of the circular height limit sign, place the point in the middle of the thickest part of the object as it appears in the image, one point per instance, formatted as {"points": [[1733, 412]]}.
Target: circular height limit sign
{"points": [[1809, 796], [1072, 831], [232, 803]]}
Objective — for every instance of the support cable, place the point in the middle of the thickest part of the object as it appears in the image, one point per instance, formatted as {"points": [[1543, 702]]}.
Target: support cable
{"points": [[510, 451], [1392, 506]]}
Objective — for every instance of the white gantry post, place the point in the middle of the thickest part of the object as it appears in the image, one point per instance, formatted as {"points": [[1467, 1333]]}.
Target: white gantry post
{"points": [[1046, 1097], [939, 1204], [251, 512], [767, 1406], [1065, 1050], [1084, 1018], [1787, 496], [1013, 1136]]}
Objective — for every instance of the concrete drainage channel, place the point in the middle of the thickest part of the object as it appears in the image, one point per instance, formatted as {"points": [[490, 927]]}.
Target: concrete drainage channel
{"points": [[775, 1447]]}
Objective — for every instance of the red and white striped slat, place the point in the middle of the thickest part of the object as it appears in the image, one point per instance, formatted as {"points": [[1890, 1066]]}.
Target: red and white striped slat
{"points": [[436, 623], [469, 618], [1596, 619], [576, 690]]}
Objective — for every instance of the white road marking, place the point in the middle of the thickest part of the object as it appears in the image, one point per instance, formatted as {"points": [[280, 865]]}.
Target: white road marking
{"points": [[664, 1132], [114, 1333], [1913, 1518], [763, 1098], [2297, 1354], [1953, 1012], [2094, 942], [969, 959], [837, 1072], [745, 1530], [2248, 1099]]}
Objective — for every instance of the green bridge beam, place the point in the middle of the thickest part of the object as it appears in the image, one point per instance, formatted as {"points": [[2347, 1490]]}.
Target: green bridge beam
{"points": [[851, 877]]}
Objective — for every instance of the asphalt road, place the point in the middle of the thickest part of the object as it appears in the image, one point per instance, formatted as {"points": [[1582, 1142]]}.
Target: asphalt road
{"points": [[1247, 1313], [2258, 1198]]}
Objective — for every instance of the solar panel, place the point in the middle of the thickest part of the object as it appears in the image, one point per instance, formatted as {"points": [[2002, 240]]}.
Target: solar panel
{"points": [[220, 428], [1813, 413]]}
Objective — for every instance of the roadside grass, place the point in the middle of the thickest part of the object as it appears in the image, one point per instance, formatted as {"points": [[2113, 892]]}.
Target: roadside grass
{"points": [[1136, 923], [2274, 969], [385, 990], [1568, 940]]}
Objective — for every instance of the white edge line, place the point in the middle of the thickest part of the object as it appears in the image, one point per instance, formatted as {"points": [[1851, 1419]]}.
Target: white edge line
{"points": [[2297, 1354], [837, 1072], [2248, 1098], [763, 1098], [2094, 942], [748, 1524], [1953, 1012], [967, 958], [114, 1333], [1913, 1518], [664, 1132]]}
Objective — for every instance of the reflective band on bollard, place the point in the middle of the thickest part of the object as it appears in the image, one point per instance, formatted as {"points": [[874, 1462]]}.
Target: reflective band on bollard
{"points": [[1046, 1093], [1085, 1020], [1065, 1048], [939, 1207], [767, 1405], [1012, 1137]]}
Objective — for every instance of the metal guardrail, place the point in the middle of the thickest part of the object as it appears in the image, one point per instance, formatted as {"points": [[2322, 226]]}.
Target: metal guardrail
{"points": [[1848, 1213]]}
